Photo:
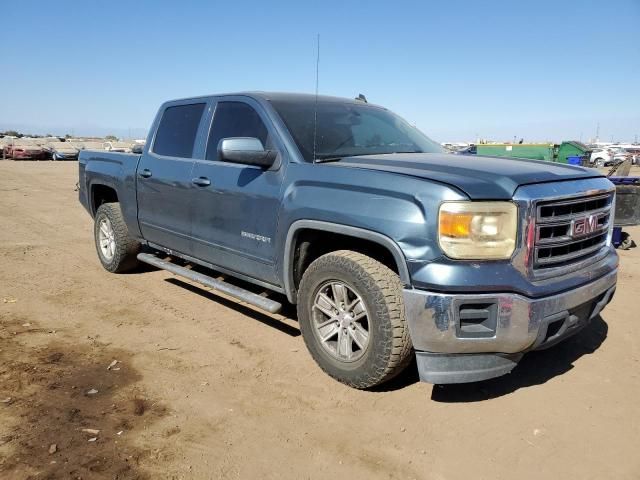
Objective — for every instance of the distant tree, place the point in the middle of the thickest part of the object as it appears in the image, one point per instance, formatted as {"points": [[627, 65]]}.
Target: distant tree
{"points": [[13, 133], [111, 137], [67, 136]]}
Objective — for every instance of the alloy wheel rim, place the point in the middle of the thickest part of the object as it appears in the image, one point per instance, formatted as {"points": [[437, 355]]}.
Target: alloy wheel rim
{"points": [[106, 239], [340, 321]]}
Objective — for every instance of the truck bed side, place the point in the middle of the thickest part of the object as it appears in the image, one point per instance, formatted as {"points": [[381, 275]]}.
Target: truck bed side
{"points": [[109, 176]]}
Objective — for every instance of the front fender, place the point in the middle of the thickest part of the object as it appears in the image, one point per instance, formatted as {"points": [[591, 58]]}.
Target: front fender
{"points": [[396, 211]]}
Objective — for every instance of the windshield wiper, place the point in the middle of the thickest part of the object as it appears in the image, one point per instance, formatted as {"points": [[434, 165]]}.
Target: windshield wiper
{"points": [[335, 158], [327, 159]]}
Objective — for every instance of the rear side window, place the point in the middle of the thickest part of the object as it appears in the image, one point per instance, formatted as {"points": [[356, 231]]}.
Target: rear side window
{"points": [[177, 130], [235, 119]]}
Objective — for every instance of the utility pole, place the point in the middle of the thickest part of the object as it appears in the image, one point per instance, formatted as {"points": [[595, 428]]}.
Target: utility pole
{"points": [[598, 132]]}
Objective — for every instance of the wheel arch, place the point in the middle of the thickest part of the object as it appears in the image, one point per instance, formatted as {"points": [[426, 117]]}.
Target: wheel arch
{"points": [[100, 193], [395, 255]]}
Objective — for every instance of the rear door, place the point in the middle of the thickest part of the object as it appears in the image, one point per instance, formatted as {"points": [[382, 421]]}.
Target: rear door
{"points": [[235, 211], [164, 181]]}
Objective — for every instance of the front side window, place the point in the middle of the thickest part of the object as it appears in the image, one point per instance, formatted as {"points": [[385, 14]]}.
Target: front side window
{"points": [[349, 129], [235, 119], [177, 131]]}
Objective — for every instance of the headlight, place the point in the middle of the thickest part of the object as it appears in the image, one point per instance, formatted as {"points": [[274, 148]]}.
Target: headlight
{"points": [[478, 230]]}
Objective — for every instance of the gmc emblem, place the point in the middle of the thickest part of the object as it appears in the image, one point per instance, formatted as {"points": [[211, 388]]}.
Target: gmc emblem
{"points": [[584, 226]]}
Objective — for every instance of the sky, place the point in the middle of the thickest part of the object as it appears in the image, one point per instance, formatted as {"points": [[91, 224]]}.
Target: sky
{"points": [[458, 70]]}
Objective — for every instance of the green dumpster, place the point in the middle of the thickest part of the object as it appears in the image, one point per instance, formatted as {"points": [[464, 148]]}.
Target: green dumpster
{"points": [[572, 149], [535, 151]]}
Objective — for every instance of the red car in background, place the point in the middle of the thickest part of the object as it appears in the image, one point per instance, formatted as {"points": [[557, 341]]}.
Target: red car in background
{"points": [[24, 149]]}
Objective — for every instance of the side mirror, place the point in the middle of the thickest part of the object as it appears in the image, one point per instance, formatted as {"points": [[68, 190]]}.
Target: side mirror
{"points": [[246, 150]]}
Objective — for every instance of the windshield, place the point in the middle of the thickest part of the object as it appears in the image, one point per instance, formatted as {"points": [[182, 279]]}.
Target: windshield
{"points": [[347, 129]]}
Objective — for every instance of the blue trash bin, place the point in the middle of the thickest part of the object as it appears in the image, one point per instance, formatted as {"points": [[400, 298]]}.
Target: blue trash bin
{"points": [[573, 160]]}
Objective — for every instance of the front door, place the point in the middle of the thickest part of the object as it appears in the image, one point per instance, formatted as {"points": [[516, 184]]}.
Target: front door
{"points": [[164, 180], [235, 210]]}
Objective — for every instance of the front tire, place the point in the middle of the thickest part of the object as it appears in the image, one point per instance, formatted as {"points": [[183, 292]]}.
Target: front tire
{"points": [[351, 314], [117, 250]]}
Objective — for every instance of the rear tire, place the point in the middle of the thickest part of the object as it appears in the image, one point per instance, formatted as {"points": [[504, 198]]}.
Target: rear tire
{"points": [[117, 250], [351, 314]]}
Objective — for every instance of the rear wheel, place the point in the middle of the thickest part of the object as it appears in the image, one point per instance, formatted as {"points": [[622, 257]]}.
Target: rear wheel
{"points": [[117, 250], [351, 315]]}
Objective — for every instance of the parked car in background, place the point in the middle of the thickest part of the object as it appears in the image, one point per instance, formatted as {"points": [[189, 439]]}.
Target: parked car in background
{"points": [[633, 150], [62, 151], [609, 156], [470, 150], [137, 148], [123, 147], [4, 143], [24, 149], [92, 145]]}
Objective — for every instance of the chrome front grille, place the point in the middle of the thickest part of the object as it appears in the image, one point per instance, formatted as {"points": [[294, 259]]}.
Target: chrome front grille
{"points": [[570, 230]]}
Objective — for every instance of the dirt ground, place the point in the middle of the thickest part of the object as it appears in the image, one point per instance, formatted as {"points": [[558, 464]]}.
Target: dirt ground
{"points": [[206, 387]]}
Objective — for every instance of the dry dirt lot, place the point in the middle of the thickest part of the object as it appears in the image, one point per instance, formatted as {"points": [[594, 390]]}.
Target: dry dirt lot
{"points": [[205, 387]]}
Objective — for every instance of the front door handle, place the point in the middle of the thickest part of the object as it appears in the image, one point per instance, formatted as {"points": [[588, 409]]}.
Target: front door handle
{"points": [[146, 173], [201, 181]]}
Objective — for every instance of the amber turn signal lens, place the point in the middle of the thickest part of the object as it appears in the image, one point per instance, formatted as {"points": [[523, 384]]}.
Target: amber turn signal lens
{"points": [[455, 225]]}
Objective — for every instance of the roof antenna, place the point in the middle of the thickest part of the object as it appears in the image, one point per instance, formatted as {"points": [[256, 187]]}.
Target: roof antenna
{"points": [[315, 110]]}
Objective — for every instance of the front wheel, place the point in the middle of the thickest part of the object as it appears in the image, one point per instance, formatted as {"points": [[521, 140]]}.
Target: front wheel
{"points": [[117, 250], [351, 315]]}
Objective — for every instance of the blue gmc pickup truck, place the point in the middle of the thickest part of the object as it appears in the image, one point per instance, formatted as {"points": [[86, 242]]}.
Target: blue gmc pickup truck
{"points": [[388, 246]]}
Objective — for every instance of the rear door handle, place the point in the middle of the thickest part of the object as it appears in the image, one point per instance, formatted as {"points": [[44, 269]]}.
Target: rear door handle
{"points": [[201, 181], [146, 173]]}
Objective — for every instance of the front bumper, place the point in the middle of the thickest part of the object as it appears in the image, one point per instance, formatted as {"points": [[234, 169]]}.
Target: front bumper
{"points": [[443, 341]]}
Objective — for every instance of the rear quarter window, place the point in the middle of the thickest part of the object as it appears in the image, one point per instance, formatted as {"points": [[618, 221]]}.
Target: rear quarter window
{"points": [[177, 130]]}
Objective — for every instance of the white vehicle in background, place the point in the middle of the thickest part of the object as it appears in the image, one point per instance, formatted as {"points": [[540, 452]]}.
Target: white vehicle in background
{"points": [[5, 142], [113, 146], [608, 156], [633, 150], [92, 145]]}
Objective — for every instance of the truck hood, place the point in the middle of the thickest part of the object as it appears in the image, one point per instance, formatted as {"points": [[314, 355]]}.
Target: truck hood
{"points": [[480, 177]]}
